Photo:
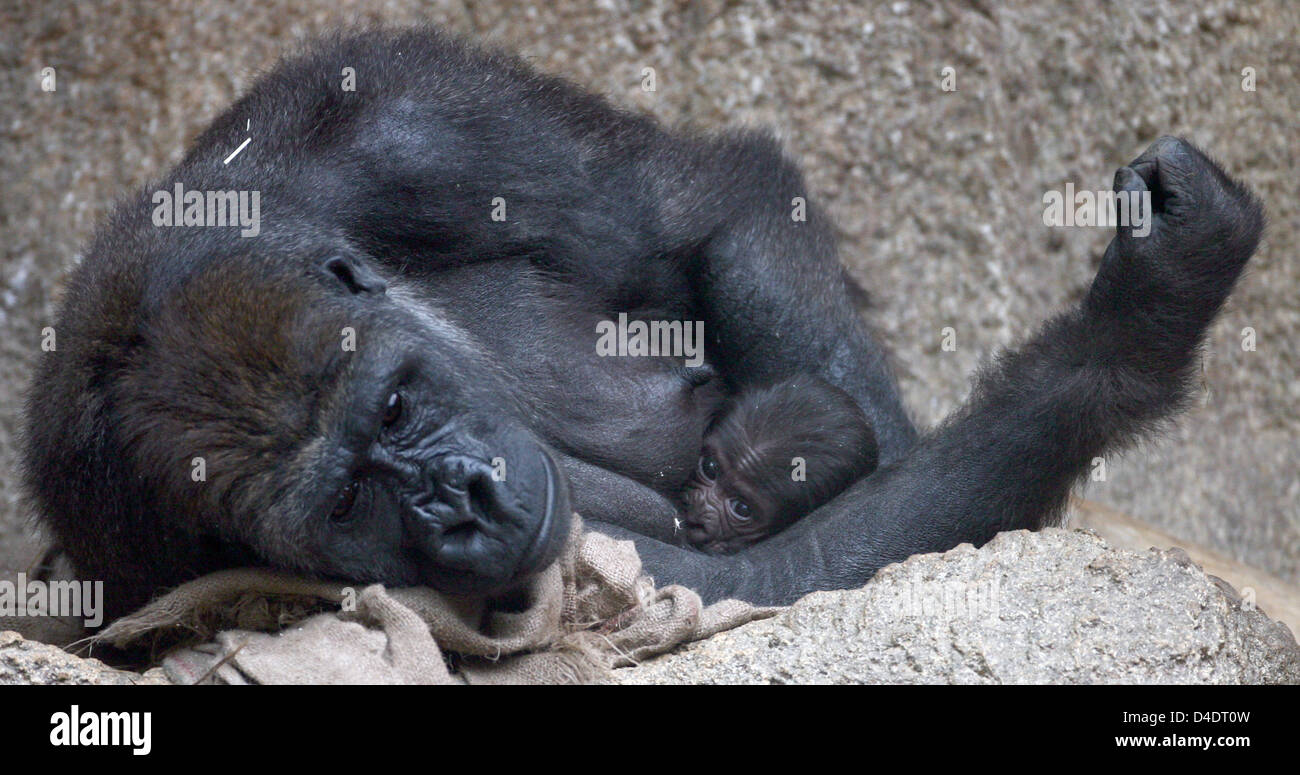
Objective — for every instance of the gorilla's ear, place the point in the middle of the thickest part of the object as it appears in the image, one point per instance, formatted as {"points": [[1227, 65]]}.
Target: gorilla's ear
{"points": [[355, 275]]}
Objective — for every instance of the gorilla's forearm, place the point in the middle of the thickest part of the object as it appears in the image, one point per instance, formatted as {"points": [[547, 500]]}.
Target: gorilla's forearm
{"points": [[1005, 461], [612, 498]]}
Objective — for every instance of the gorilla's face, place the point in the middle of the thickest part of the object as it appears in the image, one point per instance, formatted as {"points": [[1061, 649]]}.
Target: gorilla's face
{"points": [[349, 429], [416, 480]]}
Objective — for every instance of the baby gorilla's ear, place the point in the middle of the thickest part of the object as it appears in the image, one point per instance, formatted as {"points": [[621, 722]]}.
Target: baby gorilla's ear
{"points": [[355, 274]]}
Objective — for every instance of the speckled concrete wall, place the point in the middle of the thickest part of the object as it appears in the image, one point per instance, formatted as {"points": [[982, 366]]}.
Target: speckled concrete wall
{"points": [[938, 193]]}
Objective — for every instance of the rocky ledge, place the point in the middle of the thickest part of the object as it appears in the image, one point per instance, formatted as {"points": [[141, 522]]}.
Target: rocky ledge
{"points": [[1057, 606]]}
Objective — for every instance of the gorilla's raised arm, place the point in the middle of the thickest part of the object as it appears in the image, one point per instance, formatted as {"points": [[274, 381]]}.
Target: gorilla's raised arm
{"points": [[1088, 382]]}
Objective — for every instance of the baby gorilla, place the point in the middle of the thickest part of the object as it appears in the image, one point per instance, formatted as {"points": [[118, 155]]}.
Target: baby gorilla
{"points": [[772, 455]]}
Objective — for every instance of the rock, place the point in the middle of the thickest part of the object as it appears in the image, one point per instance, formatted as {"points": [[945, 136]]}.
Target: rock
{"points": [[29, 662], [1056, 606]]}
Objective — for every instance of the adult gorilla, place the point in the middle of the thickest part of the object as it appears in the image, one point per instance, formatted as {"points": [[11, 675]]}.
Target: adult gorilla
{"points": [[205, 408]]}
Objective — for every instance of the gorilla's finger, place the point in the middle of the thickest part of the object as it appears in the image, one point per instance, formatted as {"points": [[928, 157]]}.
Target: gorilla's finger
{"points": [[1130, 188]]}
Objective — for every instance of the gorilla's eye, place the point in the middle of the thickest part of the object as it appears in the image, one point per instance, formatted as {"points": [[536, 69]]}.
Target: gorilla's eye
{"points": [[393, 410], [739, 509], [708, 468], [343, 509]]}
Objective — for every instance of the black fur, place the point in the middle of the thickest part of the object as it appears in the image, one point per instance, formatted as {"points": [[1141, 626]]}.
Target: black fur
{"points": [[175, 343]]}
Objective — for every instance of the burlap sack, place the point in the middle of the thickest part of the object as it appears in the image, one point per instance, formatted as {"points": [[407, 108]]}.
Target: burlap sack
{"points": [[593, 610]]}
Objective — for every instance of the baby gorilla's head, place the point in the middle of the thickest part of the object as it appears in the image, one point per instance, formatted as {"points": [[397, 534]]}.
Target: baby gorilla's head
{"points": [[771, 456]]}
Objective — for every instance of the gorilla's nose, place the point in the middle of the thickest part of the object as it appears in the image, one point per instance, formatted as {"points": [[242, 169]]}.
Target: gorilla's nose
{"points": [[490, 524], [455, 473], [464, 484]]}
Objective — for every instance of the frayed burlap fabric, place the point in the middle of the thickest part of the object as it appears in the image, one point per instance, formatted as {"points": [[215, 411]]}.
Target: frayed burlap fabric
{"points": [[592, 611]]}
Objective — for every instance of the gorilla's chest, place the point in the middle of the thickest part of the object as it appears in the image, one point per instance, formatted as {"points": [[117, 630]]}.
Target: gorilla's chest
{"points": [[639, 411], [638, 415]]}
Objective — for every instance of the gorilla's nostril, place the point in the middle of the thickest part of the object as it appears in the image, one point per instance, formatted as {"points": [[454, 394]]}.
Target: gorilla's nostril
{"points": [[479, 490], [465, 486], [452, 479], [459, 531], [456, 476]]}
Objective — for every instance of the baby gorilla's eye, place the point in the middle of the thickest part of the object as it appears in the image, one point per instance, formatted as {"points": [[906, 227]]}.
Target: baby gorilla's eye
{"points": [[393, 410], [343, 509], [708, 468], [739, 509]]}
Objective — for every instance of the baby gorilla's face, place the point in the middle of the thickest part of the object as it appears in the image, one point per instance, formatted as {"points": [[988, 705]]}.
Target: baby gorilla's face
{"points": [[724, 513], [772, 455]]}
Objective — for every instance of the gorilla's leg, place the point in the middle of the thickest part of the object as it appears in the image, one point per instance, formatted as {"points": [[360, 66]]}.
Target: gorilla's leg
{"points": [[1086, 383]]}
